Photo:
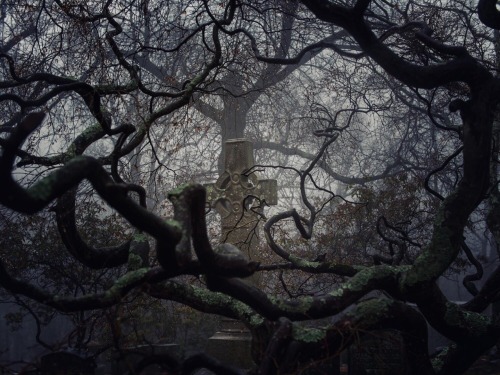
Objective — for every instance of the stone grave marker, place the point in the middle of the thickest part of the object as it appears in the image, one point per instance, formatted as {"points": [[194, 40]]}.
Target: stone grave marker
{"points": [[239, 196], [67, 363], [130, 357]]}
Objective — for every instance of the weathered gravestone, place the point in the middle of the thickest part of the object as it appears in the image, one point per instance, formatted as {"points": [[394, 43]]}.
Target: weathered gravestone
{"points": [[19, 346], [128, 359], [67, 363], [379, 353], [239, 197]]}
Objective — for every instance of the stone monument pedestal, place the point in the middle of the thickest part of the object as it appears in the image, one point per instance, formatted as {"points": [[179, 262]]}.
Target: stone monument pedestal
{"points": [[231, 344], [379, 353]]}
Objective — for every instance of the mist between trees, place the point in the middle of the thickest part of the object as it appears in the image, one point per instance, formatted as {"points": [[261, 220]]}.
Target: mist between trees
{"points": [[378, 119]]}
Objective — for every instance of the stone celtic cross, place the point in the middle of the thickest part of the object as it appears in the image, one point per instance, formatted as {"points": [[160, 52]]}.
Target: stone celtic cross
{"points": [[239, 196]]}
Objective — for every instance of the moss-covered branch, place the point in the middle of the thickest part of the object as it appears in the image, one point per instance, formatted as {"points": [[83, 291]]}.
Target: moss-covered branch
{"points": [[305, 308]]}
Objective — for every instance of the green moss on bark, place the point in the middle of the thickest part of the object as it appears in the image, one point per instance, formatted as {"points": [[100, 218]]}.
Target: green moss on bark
{"points": [[308, 335]]}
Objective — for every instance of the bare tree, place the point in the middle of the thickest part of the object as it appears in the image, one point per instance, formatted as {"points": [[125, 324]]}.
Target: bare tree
{"points": [[80, 102]]}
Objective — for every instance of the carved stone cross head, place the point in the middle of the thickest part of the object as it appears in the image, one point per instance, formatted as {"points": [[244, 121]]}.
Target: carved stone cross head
{"points": [[239, 195]]}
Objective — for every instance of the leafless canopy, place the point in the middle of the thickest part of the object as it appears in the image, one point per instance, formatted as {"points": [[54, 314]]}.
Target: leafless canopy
{"points": [[90, 88]]}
